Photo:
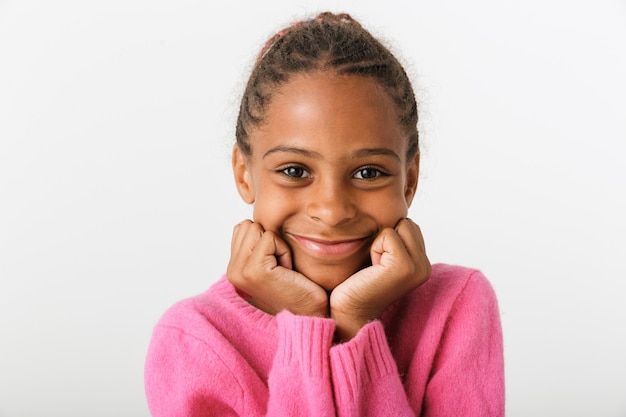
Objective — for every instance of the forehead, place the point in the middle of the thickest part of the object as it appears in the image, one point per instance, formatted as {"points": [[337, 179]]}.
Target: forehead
{"points": [[327, 110]]}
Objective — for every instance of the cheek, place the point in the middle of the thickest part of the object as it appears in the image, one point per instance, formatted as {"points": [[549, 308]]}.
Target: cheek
{"points": [[391, 211], [271, 209]]}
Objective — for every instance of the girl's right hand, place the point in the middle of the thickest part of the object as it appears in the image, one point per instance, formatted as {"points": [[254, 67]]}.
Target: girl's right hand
{"points": [[260, 265]]}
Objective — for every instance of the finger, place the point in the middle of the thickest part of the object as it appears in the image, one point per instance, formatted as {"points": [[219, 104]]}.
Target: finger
{"points": [[418, 230], [238, 233], [271, 251], [411, 236], [386, 247], [251, 233], [245, 237], [282, 251]]}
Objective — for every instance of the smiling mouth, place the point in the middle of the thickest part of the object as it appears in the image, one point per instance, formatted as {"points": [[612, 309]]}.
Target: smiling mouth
{"points": [[331, 248]]}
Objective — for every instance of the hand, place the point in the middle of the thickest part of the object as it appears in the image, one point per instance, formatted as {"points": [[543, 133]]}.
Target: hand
{"points": [[399, 265], [260, 265]]}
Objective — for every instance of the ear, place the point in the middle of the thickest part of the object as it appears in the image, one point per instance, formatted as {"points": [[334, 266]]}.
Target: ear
{"points": [[243, 178], [412, 176]]}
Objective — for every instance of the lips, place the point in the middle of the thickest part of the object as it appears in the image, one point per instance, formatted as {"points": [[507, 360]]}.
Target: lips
{"points": [[334, 248]]}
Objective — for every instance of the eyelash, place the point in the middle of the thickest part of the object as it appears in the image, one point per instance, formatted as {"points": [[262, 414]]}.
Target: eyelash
{"points": [[302, 173], [301, 170], [377, 173]]}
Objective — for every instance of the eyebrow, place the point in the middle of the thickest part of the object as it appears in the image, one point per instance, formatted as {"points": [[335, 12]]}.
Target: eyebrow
{"points": [[361, 153], [374, 152], [291, 149]]}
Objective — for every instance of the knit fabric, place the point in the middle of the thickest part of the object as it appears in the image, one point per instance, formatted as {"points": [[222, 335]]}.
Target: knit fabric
{"points": [[435, 352]]}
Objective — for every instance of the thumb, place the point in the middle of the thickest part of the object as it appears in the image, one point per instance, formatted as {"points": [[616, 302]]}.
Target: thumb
{"points": [[386, 244], [282, 252], [272, 245]]}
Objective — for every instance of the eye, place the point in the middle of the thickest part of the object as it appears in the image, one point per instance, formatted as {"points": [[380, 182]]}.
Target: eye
{"points": [[296, 172], [368, 173]]}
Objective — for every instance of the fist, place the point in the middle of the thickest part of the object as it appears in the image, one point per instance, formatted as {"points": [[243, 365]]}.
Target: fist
{"points": [[261, 266], [399, 265]]}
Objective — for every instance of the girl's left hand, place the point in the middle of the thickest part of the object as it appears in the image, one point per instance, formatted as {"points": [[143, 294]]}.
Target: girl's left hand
{"points": [[399, 265]]}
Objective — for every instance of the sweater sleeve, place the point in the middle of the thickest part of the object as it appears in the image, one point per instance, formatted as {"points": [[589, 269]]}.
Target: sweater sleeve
{"points": [[187, 375], [365, 376], [467, 378], [299, 382]]}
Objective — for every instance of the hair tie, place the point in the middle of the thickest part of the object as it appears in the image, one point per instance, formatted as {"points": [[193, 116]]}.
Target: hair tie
{"points": [[342, 18]]}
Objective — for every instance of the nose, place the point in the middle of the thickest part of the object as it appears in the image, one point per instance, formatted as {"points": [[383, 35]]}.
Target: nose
{"points": [[331, 203]]}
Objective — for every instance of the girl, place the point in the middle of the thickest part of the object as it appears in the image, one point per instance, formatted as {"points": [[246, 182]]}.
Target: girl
{"points": [[329, 305]]}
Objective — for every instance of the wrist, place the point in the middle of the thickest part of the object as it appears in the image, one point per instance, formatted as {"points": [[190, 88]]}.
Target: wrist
{"points": [[347, 325]]}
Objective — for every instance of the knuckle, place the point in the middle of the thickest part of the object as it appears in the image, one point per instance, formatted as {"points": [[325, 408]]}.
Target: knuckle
{"points": [[242, 225]]}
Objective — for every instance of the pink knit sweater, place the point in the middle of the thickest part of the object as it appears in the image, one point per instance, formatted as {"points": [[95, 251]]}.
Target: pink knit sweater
{"points": [[436, 352]]}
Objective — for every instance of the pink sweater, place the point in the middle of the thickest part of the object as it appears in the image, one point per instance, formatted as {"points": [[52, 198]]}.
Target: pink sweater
{"points": [[436, 352]]}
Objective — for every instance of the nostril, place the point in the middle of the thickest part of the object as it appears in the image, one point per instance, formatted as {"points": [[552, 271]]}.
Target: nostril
{"points": [[331, 211]]}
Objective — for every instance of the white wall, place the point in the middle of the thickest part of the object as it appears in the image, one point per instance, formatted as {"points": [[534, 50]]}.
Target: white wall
{"points": [[116, 198]]}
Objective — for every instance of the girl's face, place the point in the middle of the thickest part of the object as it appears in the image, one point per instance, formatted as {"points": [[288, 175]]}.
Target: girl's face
{"points": [[328, 172]]}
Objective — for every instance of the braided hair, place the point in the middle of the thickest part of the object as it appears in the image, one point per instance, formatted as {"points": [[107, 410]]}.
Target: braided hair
{"points": [[329, 42]]}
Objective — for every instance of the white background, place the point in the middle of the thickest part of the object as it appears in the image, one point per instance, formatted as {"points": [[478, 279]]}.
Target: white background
{"points": [[116, 197]]}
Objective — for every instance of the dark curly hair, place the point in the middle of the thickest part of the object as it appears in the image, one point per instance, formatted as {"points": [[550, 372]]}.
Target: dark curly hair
{"points": [[329, 42]]}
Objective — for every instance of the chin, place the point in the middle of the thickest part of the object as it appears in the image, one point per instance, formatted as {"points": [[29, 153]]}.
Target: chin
{"points": [[329, 276]]}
